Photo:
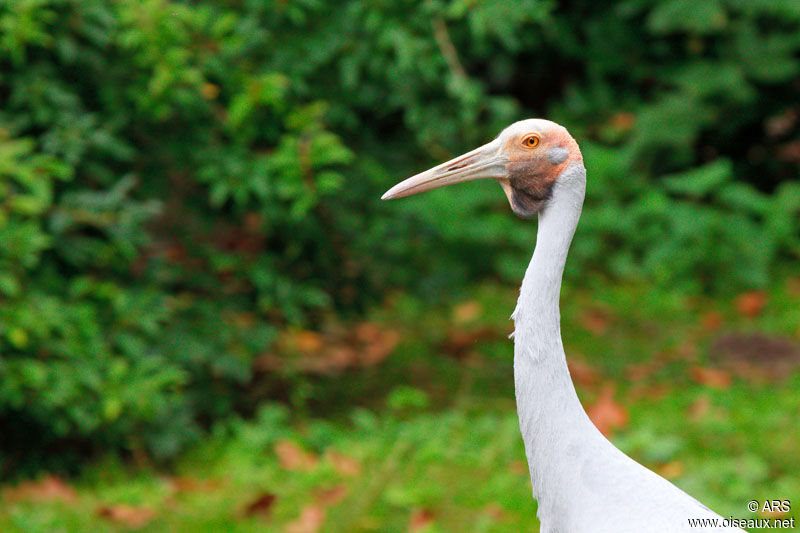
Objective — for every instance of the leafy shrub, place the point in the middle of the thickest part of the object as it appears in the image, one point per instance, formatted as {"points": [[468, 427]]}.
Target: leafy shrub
{"points": [[180, 179]]}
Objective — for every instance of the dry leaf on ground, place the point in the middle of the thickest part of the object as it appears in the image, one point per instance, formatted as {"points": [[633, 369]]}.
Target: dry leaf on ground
{"points": [[364, 345], [686, 351], [261, 505], [495, 511], [699, 408], [47, 488], [518, 467], [466, 312], [582, 372], [331, 496], [751, 304], [310, 520], [622, 121], [793, 286], [293, 457], [606, 414], [459, 342], [190, 484], [419, 519], [712, 320], [596, 321], [711, 377], [641, 371], [671, 470], [790, 152], [305, 341], [127, 515], [346, 466]]}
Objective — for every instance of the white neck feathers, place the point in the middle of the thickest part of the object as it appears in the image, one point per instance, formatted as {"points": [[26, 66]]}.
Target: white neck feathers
{"points": [[550, 414], [537, 308]]}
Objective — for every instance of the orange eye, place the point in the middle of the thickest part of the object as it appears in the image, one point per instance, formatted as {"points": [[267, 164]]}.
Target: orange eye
{"points": [[531, 141]]}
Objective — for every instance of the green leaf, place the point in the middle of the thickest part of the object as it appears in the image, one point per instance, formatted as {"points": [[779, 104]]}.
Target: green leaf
{"points": [[703, 17], [700, 181]]}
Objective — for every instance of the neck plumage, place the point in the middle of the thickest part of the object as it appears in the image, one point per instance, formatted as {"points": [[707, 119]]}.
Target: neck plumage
{"points": [[550, 414]]}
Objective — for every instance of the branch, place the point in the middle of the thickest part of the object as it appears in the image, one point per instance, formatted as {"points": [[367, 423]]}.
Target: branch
{"points": [[447, 49]]}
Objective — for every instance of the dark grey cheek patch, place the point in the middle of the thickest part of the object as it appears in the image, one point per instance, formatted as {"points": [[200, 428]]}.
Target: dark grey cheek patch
{"points": [[523, 205], [557, 155]]}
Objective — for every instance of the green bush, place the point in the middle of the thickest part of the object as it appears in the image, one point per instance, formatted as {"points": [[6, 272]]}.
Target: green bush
{"points": [[179, 180]]}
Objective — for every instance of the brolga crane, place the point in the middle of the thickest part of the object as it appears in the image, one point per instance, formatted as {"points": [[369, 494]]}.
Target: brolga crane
{"points": [[581, 481]]}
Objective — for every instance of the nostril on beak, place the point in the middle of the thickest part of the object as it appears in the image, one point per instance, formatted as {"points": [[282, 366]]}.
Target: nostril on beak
{"points": [[461, 163]]}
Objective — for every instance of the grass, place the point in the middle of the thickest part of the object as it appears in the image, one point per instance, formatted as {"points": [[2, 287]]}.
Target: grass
{"points": [[428, 440]]}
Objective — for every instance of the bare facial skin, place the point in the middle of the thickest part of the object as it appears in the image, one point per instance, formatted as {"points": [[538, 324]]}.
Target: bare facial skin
{"points": [[526, 159]]}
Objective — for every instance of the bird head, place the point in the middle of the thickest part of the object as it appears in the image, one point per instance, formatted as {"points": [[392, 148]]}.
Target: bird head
{"points": [[526, 159]]}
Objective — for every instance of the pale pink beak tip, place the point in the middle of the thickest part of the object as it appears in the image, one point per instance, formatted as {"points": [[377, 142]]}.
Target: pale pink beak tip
{"points": [[483, 162]]}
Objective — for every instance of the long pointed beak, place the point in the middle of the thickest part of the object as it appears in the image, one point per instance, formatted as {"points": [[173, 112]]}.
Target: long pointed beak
{"points": [[484, 162]]}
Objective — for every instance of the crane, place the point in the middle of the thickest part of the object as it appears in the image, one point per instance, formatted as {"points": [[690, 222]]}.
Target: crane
{"points": [[581, 481]]}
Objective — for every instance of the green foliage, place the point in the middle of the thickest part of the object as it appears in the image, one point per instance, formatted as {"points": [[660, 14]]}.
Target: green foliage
{"points": [[459, 470], [180, 180]]}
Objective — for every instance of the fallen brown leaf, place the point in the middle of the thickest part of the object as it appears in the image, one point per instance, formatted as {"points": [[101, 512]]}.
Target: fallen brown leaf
{"points": [[367, 332], [606, 414], [582, 372], [596, 321], [495, 511], [310, 520], [687, 351], [640, 371], [671, 470], [751, 304], [293, 457], [47, 488], [793, 286], [419, 519], [466, 312], [127, 515], [189, 484], [307, 341], [333, 351], [253, 222], [711, 321], [331, 496], [656, 391], [699, 408], [622, 121], [378, 346], [209, 91], [711, 377], [782, 123], [261, 505], [460, 341], [790, 152], [346, 466], [336, 358], [518, 467]]}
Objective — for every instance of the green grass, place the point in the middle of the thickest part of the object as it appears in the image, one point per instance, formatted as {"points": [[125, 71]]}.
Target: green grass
{"points": [[429, 438]]}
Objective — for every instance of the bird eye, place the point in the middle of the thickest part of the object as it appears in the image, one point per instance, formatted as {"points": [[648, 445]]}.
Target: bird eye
{"points": [[531, 141]]}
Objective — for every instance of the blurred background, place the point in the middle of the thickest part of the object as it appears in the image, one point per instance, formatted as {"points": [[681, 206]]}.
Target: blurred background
{"points": [[209, 321]]}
